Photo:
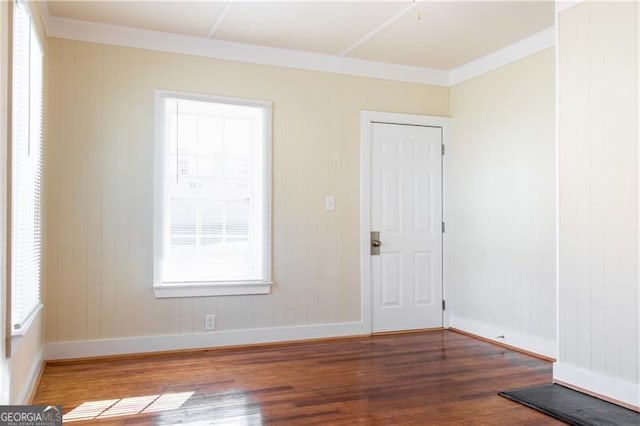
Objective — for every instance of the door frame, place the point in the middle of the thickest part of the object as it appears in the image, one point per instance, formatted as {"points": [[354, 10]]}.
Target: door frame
{"points": [[367, 118]]}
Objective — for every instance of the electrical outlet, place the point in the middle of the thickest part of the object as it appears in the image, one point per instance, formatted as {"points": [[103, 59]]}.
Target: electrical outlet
{"points": [[330, 203], [209, 322]]}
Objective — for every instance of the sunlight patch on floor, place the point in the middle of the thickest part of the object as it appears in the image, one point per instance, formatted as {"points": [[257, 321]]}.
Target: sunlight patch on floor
{"points": [[127, 406]]}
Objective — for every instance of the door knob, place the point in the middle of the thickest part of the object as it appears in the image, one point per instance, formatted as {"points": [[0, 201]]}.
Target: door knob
{"points": [[375, 243]]}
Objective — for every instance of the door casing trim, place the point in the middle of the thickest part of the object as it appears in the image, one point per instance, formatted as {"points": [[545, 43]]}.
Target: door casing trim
{"points": [[366, 119]]}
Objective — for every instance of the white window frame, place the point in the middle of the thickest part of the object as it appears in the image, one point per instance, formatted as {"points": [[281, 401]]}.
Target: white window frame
{"points": [[206, 288], [25, 243]]}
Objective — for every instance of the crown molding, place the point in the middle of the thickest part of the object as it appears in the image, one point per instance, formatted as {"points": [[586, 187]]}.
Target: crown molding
{"points": [[220, 49], [521, 49]]}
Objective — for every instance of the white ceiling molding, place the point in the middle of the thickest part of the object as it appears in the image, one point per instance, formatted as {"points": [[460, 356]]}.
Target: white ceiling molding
{"points": [[201, 46], [43, 9], [217, 24], [380, 28], [533, 44], [241, 52]]}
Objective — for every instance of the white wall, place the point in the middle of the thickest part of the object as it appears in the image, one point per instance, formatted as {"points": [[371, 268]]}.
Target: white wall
{"points": [[99, 191], [500, 205], [598, 162]]}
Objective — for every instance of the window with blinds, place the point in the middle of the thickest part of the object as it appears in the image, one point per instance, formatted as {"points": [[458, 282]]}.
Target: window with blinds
{"points": [[26, 170], [213, 196]]}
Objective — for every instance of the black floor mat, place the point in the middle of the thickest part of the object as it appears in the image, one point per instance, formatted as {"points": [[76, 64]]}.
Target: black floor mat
{"points": [[573, 407]]}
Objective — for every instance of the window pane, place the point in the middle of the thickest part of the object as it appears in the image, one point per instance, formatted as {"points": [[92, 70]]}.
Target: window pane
{"points": [[213, 201], [26, 161], [237, 137], [210, 138]]}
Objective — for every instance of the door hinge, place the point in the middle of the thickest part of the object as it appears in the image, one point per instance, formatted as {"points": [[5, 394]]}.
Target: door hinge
{"points": [[442, 149], [444, 305], [443, 227]]}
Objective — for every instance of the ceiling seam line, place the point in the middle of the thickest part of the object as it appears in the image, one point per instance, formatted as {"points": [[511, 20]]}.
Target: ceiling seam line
{"points": [[380, 28], [221, 18]]}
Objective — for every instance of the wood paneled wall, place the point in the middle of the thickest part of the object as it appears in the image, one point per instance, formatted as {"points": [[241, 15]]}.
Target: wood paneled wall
{"points": [[99, 189], [500, 205], [599, 306]]}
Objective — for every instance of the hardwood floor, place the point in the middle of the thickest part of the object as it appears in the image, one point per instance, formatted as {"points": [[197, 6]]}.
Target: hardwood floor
{"points": [[427, 378]]}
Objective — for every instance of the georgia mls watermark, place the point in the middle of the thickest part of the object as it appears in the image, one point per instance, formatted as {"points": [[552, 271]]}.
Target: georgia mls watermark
{"points": [[30, 415]]}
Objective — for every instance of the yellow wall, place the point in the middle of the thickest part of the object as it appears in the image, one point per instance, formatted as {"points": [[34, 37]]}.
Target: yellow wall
{"points": [[500, 204], [25, 362], [99, 189]]}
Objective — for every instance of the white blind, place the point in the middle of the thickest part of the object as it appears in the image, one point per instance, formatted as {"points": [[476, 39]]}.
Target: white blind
{"points": [[216, 210], [26, 140]]}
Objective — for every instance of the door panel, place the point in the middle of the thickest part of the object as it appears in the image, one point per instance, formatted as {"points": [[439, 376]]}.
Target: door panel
{"points": [[390, 280], [422, 208], [423, 277], [406, 207], [391, 183]]}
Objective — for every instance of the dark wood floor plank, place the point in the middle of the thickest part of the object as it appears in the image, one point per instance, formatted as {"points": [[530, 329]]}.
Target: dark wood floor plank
{"points": [[426, 378]]}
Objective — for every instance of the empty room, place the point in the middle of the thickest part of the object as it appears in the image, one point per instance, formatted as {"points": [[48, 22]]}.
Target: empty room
{"points": [[319, 212]]}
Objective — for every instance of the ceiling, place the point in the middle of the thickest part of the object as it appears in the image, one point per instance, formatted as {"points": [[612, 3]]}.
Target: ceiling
{"points": [[433, 34]]}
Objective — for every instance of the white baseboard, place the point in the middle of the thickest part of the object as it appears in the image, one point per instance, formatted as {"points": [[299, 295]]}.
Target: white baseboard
{"points": [[143, 344], [32, 380], [518, 339], [609, 388]]}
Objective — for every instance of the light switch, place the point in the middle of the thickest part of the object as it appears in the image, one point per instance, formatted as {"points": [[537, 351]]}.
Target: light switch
{"points": [[330, 203]]}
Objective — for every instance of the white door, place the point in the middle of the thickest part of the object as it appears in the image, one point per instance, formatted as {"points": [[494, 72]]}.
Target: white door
{"points": [[406, 209]]}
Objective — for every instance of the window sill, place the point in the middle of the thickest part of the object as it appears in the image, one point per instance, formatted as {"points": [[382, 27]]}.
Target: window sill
{"points": [[203, 289], [24, 329]]}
